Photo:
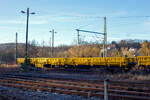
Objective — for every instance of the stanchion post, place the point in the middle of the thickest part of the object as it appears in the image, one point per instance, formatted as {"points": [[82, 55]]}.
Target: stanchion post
{"points": [[106, 89]]}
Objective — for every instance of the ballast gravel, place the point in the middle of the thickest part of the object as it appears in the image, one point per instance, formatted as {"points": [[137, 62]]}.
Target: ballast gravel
{"points": [[9, 93]]}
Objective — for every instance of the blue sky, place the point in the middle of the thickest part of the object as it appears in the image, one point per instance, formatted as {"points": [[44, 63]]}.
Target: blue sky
{"points": [[66, 15]]}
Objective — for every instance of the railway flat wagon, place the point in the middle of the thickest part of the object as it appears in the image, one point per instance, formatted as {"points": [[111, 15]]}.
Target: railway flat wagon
{"points": [[20, 60], [117, 62], [143, 61], [55, 62], [132, 61], [98, 61], [82, 61], [38, 62], [78, 62], [70, 62], [89, 62]]}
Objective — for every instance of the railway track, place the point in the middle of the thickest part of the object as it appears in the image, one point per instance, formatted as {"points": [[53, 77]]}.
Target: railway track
{"points": [[116, 89]]}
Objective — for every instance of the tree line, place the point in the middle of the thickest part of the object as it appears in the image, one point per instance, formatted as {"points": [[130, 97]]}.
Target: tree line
{"points": [[123, 48]]}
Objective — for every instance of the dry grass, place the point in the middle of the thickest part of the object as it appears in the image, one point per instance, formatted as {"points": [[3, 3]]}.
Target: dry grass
{"points": [[9, 68], [129, 76], [141, 77]]}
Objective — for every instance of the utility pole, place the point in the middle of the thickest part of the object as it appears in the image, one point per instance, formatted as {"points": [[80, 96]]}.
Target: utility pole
{"points": [[26, 49], [52, 48], [89, 32], [26, 54], [78, 37], [52, 39], [105, 39], [16, 47], [43, 53]]}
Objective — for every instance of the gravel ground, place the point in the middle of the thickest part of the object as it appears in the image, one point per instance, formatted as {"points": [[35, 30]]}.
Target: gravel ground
{"points": [[9, 93], [64, 75]]}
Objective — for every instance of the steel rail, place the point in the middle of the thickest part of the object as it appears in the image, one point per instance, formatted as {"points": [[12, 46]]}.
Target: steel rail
{"points": [[41, 85], [72, 92], [96, 85]]}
